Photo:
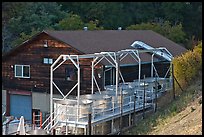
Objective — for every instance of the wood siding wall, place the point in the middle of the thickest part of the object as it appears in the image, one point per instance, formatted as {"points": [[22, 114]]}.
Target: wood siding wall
{"points": [[32, 54], [131, 73]]}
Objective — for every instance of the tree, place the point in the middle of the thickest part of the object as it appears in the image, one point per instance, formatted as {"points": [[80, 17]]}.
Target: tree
{"points": [[23, 37], [192, 16], [111, 15], [9, 10], [38, 15], [187, 13], [6, 35], [71, 22], [18, 17], [93, 25], [74, 22], [173, 32], [32, 15], [174, 11]]}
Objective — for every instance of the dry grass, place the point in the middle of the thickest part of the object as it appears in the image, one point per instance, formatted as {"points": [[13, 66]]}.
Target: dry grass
{"points": [[181, 117]]}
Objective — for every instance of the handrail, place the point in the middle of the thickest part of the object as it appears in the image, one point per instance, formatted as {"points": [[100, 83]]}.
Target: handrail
{"points": [[50, 116], [51, 121], [102, 112]]}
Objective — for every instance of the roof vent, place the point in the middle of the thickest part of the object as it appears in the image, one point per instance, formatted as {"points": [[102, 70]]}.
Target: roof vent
{"points": [[85, 28], [119, 28]]}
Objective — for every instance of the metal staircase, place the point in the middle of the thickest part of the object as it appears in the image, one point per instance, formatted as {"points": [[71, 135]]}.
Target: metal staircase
{"points": [[47, 124]]}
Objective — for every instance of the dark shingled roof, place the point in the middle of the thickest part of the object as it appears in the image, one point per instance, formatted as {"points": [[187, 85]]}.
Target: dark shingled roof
{"points": [[115, 40], [96, 41]]}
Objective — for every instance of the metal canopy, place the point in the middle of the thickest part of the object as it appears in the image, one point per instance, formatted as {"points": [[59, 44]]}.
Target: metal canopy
{"points": [[114, 58], [101, 54]]}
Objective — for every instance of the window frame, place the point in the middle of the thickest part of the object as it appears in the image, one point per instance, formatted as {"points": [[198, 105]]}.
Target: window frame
{"points": [[22, 71], [48, 60]]}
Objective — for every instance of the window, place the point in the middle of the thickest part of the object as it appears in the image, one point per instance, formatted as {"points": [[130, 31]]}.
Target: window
{"points": [[71, 73], [22, 71], [47, 60], [45, 44]]}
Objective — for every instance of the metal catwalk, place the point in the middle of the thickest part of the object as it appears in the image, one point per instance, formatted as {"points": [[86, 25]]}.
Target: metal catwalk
{"points": [[105, 109]]}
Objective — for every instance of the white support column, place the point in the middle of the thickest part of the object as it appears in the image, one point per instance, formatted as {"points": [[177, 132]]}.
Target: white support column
{"points": [[51, 89], [129, 120], [152, 65], [66, 120], [152, 73], [112, 125], [78, 89], [51, 94], [117, 78], [85, 130], [92, 77], [139, 76], [104, 77], [171, 78]]}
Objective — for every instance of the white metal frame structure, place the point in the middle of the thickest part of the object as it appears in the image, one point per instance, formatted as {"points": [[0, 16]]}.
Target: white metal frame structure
{"points": [[114, 58]]}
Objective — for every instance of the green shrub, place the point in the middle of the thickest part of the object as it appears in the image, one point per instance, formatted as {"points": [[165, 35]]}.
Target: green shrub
{"points": [[188, 65]]}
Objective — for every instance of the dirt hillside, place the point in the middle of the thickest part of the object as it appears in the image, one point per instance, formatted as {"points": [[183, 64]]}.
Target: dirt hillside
{"points": [[187, 122]]}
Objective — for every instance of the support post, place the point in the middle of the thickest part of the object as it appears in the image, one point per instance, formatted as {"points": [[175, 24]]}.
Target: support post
{"points": [[117, 78], [54, 132], [152, 65], [33, 120], [104, 77], [139, 77], [66, 120], [143, 100], [89, 123], [117, 73], [51, 95], [156, 90], [6, 128], [129, 120], [135, 95], [40, 119], [78, 90], [178, 84], [121, 110], [112, 125], [92, 77], [172, 71]]}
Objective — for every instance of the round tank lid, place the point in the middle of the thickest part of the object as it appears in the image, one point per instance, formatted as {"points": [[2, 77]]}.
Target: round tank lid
{"points": [[86, 101], [106, 97]]}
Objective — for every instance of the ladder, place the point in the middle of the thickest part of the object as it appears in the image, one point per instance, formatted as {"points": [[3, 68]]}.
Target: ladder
{"points": [[37, 120]]}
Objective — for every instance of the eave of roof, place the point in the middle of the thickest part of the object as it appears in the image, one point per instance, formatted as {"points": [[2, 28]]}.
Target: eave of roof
{"points": [[102, 40], [30, 40]]}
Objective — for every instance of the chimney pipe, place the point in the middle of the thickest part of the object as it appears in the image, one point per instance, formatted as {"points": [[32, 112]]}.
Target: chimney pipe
{"points": [[85, 28]]}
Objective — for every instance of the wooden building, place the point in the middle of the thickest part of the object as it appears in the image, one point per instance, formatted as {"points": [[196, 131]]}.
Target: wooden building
{"points": [[26, 68]]}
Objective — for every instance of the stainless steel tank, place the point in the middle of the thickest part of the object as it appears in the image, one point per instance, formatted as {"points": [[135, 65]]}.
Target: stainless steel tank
{"points": [[101, 103], [67, 109], [37, 132]]}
